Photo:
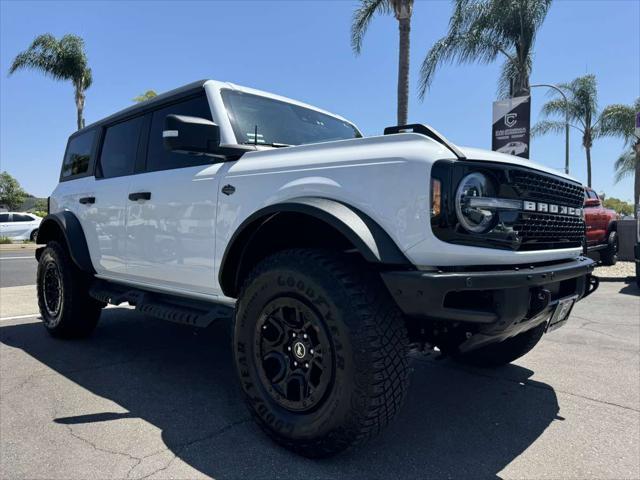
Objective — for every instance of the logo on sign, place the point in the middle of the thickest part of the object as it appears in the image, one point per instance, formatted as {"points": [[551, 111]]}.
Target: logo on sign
{"points": [[510, 119]]}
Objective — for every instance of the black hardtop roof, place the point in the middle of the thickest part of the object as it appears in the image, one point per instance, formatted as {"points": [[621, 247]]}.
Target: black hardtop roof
{"points": [[185, 90]]}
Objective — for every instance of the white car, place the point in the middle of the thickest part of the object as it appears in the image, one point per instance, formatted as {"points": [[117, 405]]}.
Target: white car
{"points": [[330, 253], [514, 148], [19, 225]]}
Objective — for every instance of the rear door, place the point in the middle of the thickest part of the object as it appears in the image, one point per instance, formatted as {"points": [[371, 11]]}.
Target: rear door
{"points": [[171, 210], [21, 225], [104, 217]]}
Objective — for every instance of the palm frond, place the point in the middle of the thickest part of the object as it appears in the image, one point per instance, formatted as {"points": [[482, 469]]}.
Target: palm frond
{"points": [[460, 48], [482, 30], [62, 59], [361, 19], [625, 165], [619, 120], [547, 126]]}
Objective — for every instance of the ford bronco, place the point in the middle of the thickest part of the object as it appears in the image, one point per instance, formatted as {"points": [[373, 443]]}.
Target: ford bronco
{"points": [[332, 254]]}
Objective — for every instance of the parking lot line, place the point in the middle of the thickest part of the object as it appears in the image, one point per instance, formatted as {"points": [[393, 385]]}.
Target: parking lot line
{"points": [[18, 317]]}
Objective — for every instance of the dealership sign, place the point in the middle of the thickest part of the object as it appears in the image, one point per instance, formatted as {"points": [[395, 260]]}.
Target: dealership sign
{"points": [[511, 120]]}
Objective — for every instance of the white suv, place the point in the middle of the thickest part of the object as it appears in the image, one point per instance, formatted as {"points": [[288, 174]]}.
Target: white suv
{"points": [[19, 225], [330, 252]]}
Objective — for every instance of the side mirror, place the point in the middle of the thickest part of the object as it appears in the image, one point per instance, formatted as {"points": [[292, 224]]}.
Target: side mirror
{"points": [[592, 202], [190, 134]]}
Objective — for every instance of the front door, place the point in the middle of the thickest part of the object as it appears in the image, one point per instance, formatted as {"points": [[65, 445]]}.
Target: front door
{"points": [[171, 212]]}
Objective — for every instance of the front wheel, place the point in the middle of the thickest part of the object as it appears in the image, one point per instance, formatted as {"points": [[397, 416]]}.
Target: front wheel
{"points": [[504, 352], [66, 308], [609, 255], [321, 351]]}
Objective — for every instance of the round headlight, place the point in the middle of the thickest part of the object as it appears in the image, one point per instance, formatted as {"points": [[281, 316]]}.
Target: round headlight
{"points": [[474, 219]]}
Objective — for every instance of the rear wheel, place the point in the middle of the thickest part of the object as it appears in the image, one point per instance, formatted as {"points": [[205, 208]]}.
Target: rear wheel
{"points": [[609, 256], [504, 352], [66, 308], [321, 351], [33, 235]]}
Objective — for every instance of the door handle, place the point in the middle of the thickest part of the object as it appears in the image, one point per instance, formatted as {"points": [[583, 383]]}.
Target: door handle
{"points": [[140, 196], [87, 200]]}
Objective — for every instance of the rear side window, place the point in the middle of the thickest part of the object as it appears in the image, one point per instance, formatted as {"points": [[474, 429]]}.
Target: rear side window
{"points": [[77, 159], [120, 147], [160, 159], [4, 217], [17, 217]]}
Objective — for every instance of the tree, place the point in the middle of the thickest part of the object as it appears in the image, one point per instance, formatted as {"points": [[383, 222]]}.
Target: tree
{"points": [[402, 10], [148, 95], [485, 30], [63, 59], [619, 121], [620, 206], [11, 193], [582, 103]]}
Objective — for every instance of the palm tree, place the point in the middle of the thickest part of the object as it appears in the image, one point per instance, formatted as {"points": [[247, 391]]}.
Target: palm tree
{"points": [[582, 103], [402, 10], [148, 95], [619, 121], [63, 59], [484, 30]]}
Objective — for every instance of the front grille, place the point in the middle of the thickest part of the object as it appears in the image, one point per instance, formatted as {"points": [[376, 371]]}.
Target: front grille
{"points": [[534, 186], [523, 230], [541, 231]]}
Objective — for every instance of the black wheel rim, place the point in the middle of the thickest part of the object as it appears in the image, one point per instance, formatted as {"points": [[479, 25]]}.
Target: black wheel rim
{"points": [[294, 355], [52, 291]]}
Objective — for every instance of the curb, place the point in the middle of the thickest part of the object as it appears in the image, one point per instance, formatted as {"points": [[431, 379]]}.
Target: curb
{"points": [[14, 247]]}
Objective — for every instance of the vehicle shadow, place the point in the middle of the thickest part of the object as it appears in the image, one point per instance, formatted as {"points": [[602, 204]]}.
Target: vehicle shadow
{"points": [[457, 423], [631, 288]]}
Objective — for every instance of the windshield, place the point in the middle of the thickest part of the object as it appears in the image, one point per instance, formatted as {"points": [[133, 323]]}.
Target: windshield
{"points": [[280, 123]]}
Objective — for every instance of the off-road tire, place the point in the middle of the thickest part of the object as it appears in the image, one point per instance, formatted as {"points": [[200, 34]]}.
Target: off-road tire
{"points": [[368, 340], [609, 256], [504, 352], [76, 314]]}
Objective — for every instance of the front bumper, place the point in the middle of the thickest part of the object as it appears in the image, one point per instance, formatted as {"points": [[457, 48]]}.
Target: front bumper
{"points": [[499, 303]]}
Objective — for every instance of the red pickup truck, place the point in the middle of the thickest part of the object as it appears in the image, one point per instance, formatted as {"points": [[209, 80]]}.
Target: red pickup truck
{"points": [[601, 228]]}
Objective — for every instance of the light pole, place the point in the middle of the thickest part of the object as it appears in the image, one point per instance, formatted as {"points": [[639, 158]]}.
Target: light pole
{"points": [[566, 122]]}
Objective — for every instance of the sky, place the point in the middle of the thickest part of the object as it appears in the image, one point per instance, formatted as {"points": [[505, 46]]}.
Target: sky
{"points": [[301, 49]]}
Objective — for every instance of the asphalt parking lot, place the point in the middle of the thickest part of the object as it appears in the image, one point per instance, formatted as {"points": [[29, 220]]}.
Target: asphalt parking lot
{"points": [[147, 399]]}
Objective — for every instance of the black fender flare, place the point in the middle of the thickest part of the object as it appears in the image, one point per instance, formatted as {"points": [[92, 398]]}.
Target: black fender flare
{"points": [[66, 226], [370, 239]]}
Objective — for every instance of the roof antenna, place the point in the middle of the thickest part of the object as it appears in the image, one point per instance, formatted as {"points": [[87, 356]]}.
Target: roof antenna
{"points": [[255, 136]]}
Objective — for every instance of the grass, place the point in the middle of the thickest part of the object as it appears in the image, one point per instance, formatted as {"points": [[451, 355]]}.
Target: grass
{"points": [[5, 241]]}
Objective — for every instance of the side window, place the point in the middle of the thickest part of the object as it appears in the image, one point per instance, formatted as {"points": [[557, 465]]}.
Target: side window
{"points": [[77, 158], [160, 159], [4, 217], [17, 217], [120, 147]]}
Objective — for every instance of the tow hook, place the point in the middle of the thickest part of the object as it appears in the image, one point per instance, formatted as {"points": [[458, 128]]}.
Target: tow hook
{"points": [[540, 299]]}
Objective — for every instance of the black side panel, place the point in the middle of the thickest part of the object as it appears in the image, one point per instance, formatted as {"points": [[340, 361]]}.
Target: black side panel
{"points": [[373, 243], [67, 225]]}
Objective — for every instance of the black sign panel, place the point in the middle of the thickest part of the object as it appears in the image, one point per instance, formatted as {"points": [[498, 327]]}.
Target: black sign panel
{"points": [[511, 123]]}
